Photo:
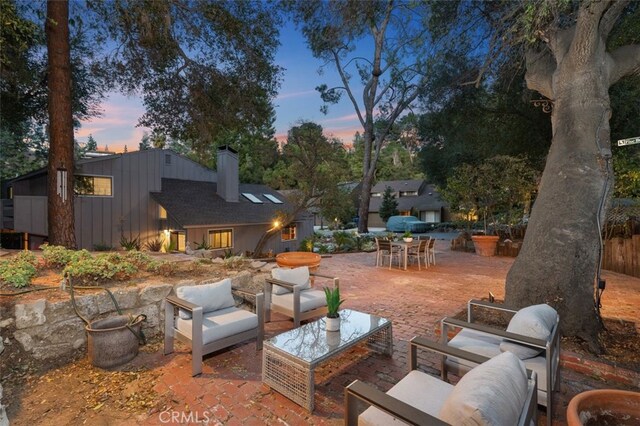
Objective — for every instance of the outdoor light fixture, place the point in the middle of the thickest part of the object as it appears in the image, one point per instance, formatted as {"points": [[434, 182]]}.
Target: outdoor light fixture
{"points": [[276, 224], [61, 183]]}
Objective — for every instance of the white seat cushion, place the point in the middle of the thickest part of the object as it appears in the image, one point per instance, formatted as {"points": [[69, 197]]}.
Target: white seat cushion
{"points": [[535, 321], [211, 297], [493, 393], [297, 276], [489, 345], [420, 390], [220, 324], [309, 300]]}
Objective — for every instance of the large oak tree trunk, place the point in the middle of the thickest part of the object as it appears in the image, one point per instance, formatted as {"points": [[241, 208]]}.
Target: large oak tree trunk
{"points": [[60, 206], [559, 260]]}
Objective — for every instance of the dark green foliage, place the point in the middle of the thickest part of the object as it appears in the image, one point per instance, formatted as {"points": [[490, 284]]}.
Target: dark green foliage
{"points": [[204, 245], [154, 245], [102, 247], [19, 270], [343, 240], [389, 206], [130, 243]]}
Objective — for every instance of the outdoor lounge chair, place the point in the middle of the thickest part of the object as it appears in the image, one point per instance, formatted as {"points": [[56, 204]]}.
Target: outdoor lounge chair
{"points": [[499, 391], [290, 292], [206, 318], [532, 335]]}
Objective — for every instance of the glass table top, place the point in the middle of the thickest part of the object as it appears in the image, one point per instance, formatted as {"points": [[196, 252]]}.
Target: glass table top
{"points": [[312, 343]]}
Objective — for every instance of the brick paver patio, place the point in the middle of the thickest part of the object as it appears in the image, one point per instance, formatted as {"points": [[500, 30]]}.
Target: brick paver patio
{"points": [[230, 390]]}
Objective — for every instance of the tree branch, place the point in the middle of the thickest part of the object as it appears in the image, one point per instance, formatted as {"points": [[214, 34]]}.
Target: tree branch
{"points": [[626, 61], [611, 17], [540, 68], [345, 80]]}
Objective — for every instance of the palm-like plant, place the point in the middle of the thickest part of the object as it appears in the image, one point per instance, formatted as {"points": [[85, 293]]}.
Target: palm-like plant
{"points": [[333, 301]]}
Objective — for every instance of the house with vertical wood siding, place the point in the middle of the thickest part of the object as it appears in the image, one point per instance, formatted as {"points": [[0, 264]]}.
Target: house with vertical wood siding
{"points": [[158, 193]]}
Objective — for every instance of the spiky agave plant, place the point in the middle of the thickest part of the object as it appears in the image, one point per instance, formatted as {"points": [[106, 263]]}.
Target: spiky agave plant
{"points": [[333, 301]]}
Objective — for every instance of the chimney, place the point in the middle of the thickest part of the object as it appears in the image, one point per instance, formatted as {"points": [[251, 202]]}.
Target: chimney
{"points": [[227, 170]]}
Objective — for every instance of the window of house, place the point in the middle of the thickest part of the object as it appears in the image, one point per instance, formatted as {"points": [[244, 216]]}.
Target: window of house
{"points": [[408, 193], [178, 240], [162, 213], [288, 233], [221, 238], [167, 159], [376, 194], [96, 186], [10, 192], [252, 198], [272, 198]]}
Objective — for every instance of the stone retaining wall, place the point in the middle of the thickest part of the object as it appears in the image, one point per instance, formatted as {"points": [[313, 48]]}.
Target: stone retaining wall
{"points": [[50, 329]]}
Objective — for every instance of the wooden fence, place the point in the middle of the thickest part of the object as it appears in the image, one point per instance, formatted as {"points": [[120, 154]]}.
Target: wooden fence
{"points": [[622, 255]]}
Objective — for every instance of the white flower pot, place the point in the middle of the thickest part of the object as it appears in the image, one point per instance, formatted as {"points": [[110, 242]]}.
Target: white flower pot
{"points": [[332, 324], [408, 239]]}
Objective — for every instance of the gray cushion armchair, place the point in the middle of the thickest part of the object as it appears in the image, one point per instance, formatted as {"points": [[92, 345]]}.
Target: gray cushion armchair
{"points": [[500, 391], [291, 293], [533, 335], [206, 318]]}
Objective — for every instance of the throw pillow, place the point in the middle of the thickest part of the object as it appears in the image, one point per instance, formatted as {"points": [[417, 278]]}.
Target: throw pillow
{"points": [[535, 321], [212, 297], [493, 393], [297, 276]]}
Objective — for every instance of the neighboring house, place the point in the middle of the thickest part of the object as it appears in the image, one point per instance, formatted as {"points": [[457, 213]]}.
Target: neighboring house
{"points": [[157, 193], [414, 197]]}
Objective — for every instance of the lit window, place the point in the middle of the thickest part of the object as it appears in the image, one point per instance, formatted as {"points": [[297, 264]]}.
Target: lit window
{"points": [[288, 233], [252, 198], [97, 186], [221, 238], [408, 193], [10, 192], [272, 199], [162, 213], [376, 194]]}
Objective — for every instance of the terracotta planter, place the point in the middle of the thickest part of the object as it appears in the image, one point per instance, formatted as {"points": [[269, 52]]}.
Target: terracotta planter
{"points": [[485, 245], [294, 259], [604, 407]]}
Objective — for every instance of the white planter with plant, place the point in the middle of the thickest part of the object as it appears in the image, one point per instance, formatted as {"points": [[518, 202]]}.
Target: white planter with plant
{"points": [[332, 322], [407, 237]]}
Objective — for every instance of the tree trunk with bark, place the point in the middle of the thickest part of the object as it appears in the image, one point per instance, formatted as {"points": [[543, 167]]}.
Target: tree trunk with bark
{"points": [[60, 194], [560, 256]]}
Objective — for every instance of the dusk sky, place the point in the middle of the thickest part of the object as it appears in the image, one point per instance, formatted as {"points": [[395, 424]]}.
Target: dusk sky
{"points": [[297, 100]]}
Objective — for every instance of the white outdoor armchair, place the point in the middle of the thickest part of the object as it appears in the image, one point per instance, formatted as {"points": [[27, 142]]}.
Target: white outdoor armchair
{"points": [[290, 292], [499, 391], [533, 335], [206, 318]]}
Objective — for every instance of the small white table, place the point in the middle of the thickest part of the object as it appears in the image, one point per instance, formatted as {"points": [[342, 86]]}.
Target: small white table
{"points": [[405, 246]]}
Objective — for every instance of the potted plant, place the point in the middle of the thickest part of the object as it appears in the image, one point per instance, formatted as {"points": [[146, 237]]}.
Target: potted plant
{"points": [[407, 236], [604, 406], [500, 184], [333, 304]]}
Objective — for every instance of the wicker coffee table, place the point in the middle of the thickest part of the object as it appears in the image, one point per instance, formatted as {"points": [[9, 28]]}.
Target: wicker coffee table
{"points": [[289, 359]]}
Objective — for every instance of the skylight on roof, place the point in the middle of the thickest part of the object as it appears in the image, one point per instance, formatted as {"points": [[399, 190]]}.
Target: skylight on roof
{"points": [[252, 198], [272, 198]]}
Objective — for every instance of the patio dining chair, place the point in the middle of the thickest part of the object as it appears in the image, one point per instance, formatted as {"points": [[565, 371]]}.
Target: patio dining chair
{"points": [[431, 252], [386, 250], [499, 391], [532, 335], [205, 317], [291, 292], [420, 252]]}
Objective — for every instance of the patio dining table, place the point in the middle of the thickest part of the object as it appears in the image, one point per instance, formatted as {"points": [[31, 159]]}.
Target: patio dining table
{"points": [[405, 246]]}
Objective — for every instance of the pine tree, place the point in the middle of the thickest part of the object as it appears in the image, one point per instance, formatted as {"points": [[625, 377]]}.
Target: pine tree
{"points": [[125, 149], [389, 206], [91, 144]]}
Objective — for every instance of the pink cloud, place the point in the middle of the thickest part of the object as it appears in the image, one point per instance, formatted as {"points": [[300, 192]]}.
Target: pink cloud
{"points": [[295, 94], [348, 117]]}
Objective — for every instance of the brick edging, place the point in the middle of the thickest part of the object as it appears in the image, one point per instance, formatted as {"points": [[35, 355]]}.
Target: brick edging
{"points": [[603, 370]]}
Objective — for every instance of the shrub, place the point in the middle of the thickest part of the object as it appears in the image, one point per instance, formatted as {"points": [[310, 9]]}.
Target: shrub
{"points": [[234, 262], [19, 270], [307, 244], [203, 245], [343, 240], [102, 247], [154, 245], [130, 243], [59, 256]]}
